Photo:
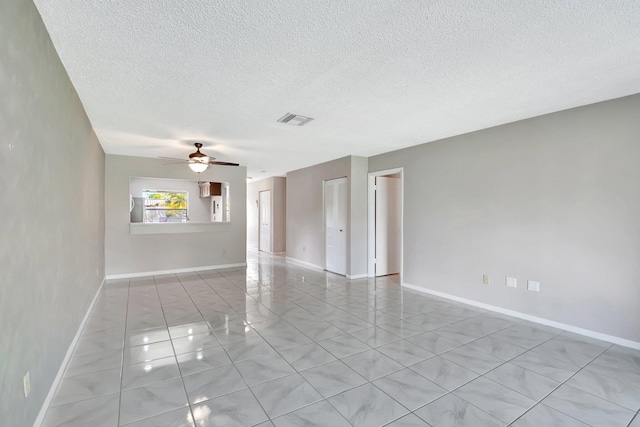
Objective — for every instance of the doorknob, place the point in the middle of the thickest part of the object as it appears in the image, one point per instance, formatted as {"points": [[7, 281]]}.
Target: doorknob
{"points": [[341, 230]]}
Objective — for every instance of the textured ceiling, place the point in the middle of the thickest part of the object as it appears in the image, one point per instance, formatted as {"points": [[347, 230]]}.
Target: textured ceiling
{"points": [[376, 75]]}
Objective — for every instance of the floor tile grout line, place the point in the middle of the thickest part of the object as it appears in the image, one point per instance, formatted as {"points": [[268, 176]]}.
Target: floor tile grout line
{"points": [[250, 387], [481, 375], [126, 319], [189, 405], [368, 381], [296, 372], [237, 283], [73, 354], [453, 390], [374, 348], [606, 375], [563, 383], [457, 397], [232, 362], [174, 356], [504, 362]]}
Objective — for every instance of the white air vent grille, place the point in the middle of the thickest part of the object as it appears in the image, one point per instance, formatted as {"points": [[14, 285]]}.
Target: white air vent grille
{"points": [[294, 119]]}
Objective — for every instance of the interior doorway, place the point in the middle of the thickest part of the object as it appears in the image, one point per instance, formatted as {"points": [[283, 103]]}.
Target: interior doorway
{"points": [[264, 209], [335, 225], [385, 252]]}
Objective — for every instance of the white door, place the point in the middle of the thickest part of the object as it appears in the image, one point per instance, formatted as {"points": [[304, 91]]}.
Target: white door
{"points": [[265, 221], [388, 212], [335, 225]]}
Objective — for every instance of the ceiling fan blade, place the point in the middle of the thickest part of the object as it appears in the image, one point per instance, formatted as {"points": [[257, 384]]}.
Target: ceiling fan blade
{"points": [[173, 158], [176, 163], [224, 163]]}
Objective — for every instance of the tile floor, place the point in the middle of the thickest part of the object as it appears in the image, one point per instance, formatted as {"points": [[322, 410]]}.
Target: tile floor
{"points": [[278, 344]]}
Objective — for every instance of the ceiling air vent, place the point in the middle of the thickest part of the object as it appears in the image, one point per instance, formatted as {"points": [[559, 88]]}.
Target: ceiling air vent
{"points": [[294, 119]]}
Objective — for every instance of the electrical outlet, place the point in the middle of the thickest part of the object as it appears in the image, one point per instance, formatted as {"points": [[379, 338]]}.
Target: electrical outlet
{"points": [[511, 282], [533, 286], [26, 382], [486, 279], [97, 272]]}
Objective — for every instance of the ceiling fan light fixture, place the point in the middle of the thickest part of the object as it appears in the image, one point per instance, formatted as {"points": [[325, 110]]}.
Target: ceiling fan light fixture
{"points": [[199, 162], [199, 166]]}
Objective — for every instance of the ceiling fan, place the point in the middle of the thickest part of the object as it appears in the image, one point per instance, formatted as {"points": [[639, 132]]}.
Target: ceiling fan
{"points": [[199, 162]]}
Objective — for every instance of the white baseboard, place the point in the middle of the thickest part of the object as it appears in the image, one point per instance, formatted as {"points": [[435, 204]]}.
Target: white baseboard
{"points": [[65, 361], [304, 263], [317, 267], [174, 271], [570, 328], [278, 253]]}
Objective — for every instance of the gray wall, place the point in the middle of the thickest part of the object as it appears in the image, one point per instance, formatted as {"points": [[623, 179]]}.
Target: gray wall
{"points": [[278, 187], [52, 228], [199, 208], [135, 253], [305, 226], [554, 199], [358, 216]]}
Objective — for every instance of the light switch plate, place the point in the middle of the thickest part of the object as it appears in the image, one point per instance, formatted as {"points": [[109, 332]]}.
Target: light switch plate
{"points": [[511, 282], [533, 286], [486, 279]]}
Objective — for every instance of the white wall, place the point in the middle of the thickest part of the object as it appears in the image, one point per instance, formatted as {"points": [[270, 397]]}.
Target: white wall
{"points": [[305, 224], [127, 253], [554, 199], [199, 208], [52, 227], [278, 187]]}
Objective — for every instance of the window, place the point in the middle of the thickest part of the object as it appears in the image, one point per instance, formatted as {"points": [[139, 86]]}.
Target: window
{"points": [[165, 206]]}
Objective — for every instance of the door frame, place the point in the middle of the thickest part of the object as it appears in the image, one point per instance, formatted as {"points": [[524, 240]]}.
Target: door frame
{"points": [[270, 220], [324, 227], [371, 220]]}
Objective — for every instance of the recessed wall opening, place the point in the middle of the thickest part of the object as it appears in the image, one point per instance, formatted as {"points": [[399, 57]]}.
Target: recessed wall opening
{"points": [[166, 201]]}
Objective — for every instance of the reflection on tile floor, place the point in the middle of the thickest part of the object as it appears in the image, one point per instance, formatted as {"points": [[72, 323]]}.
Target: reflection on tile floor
{"points": [[276, 344]]}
